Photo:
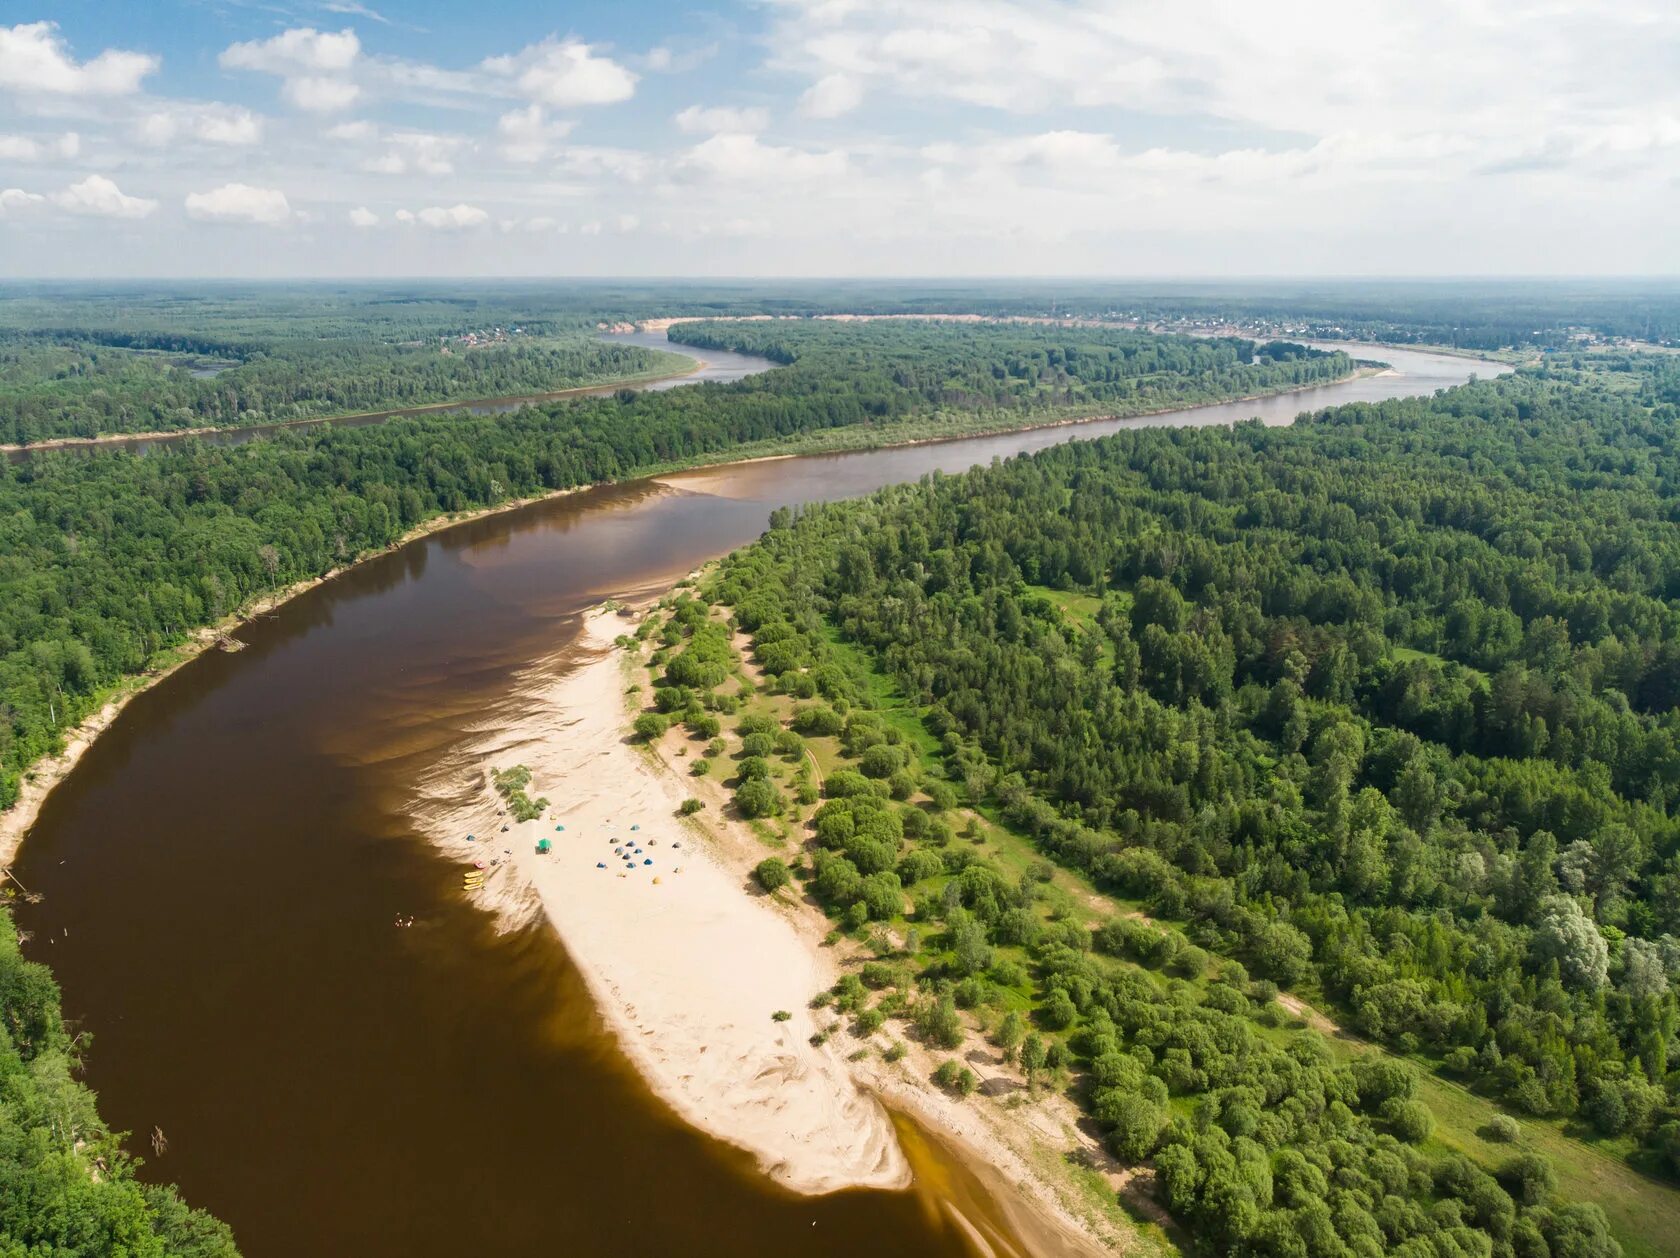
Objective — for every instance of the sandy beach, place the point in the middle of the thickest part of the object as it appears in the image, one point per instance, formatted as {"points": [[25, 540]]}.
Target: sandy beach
{"points": [[688, 960], [686, 968]]}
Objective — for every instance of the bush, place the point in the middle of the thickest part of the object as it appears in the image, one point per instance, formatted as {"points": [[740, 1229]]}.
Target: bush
{"points": [[781, 1015], [953, 1076], [690, 806], [942, 795], [771, 873], [1502, 1129], [758, 798], [1410, 1121], [758, 745], [701, 767], [789, 744], [881, 761], [1529, 1178], [704, 725], [1058, 1011], [754, 767], [649, 726]]}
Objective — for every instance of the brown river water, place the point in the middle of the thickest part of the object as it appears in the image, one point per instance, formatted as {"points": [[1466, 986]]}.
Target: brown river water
{"points": [[222, 870]]}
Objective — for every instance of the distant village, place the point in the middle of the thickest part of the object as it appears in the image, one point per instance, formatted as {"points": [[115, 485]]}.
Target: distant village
{"points": [[480, 338]]}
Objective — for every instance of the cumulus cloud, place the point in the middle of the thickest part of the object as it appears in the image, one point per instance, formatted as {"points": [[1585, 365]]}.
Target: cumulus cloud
{"points": [[697, 120], [16, 200], [416, 151], [446, 218], [97, 197], [314, 65], [361, 216], [239, 203], [23, 148], [565, 73], [319, 95], [1519, 80], [736, 157], [35, 59], [529, 134], [831, 96], [301, 49], [353, 132], [213, 124]]}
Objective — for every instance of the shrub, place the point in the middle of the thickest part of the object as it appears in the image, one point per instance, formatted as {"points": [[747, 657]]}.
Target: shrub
{"points": [[953, 1076], [771, 873], [781, 1015], [1503, 1129], [758, 798], [881, 761], [701, 767], [758, 745], [1529, 1178], [649, 726]]}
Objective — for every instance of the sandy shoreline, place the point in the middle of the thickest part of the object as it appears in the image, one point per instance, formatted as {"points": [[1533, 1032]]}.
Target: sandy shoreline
{"points": [[687, 971], [684, 967]]}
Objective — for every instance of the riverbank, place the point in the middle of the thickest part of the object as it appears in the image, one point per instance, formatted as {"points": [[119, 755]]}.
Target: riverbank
{"points": [[41, 777], [688, 973], [693, 967]]}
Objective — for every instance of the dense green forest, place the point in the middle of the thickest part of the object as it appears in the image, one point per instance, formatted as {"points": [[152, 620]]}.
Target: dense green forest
{"points": [[66, 1186], [107, 559], [73, 385], [1380, 708]]}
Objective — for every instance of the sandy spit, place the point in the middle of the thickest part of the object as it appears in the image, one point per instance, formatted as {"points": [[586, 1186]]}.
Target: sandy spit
{"points": [[685, 967], [688, 970]]}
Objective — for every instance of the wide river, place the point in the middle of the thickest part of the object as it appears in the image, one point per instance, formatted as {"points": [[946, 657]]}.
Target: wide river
{"points": [[222, 871]]}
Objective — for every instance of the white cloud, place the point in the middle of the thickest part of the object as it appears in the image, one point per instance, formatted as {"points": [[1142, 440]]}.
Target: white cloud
{"points": [[239, 203], [23, 148], [697, 120], [302, 49], [213, 124], [735, 157], [565, 73], [529, 135], [446, 218], [16, 200], [96, 196], [354, 132], [35, 59], [320, 95], [315, 65], [417, 151], [361, 216], [831, 96]]}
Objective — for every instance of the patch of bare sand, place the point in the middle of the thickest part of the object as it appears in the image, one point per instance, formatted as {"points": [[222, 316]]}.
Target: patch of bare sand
{"points": [[686, 966]]}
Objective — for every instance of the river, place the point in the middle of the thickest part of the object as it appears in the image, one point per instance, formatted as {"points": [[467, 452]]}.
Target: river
{"points": [[222, 870]]}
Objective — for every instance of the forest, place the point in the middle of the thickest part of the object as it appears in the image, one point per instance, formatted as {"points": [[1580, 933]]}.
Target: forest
{"points": [[66, 1186], [1379, 709], [108, 560], [72, 385]]}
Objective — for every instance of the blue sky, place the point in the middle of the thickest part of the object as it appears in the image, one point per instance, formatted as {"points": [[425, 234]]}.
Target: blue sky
{"points": [[838, 137]]}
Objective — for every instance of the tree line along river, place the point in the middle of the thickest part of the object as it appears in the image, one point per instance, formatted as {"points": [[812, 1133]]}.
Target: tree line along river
{"points": [[222, 870]]}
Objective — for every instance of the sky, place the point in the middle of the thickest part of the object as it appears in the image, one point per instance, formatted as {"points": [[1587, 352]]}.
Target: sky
{"points": [[378, 138]]}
